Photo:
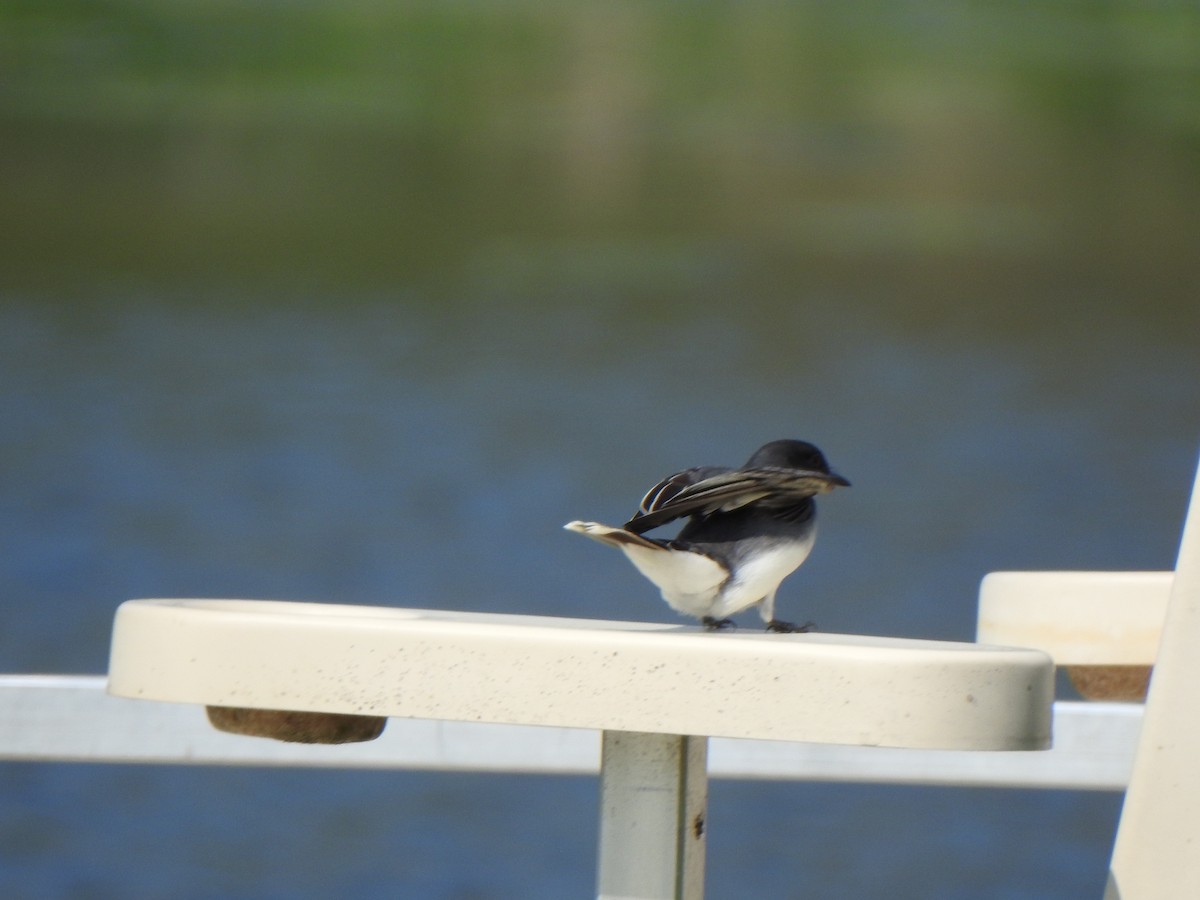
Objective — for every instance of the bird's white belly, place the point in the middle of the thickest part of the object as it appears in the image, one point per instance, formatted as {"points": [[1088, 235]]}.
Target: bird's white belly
{"points": [[697, 585], [759, 577]]}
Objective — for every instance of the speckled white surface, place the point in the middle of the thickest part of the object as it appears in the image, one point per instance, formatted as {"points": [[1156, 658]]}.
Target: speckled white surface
{"points": [[1079, 618], [582, 673]]}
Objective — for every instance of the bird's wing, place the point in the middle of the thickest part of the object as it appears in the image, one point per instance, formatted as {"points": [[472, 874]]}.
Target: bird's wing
{"points": [[709, 489], [672, 486]]}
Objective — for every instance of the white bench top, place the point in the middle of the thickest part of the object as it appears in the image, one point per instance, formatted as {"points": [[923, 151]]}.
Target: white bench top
{"points": [[624, 676], [1079, 618]]}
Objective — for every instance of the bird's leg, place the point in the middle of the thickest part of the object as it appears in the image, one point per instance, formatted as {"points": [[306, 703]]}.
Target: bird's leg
{"points": [[766, 606], [711, 624], [777, 626], [766, 609]]}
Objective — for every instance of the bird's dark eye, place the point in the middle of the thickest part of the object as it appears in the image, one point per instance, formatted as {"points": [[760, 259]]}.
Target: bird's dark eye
{"points": [[809, 459]]}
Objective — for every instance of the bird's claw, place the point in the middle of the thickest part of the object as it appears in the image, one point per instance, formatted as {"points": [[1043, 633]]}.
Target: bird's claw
{"points": [[776, 626], [711, 624]]}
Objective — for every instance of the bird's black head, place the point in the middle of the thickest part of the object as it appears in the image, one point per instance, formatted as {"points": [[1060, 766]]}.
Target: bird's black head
{"points": [[788, 454]]}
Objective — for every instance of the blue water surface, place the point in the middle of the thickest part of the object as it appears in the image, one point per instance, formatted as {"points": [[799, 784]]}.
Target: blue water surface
{"points": [[370, 454]]}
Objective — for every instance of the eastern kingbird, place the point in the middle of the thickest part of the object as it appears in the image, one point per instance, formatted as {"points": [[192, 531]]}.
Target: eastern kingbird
{"points": [[747, 529]]}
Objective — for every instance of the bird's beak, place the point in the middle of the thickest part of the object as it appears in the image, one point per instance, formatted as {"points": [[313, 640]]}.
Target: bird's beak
{"points": [[812, 482]]}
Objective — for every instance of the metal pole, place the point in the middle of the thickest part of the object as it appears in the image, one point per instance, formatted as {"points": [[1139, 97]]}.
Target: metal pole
{"points": [[653, 796]]}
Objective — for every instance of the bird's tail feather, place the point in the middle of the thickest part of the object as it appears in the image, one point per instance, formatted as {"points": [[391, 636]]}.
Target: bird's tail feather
{"points": [[614, 537]]}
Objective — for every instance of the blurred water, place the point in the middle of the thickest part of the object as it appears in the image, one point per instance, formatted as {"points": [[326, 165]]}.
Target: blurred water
{"points": [[361, 307], [371, 453]]}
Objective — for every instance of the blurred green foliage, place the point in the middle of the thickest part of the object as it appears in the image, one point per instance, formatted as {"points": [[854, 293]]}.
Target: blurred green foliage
{"points": [[938, 148]]}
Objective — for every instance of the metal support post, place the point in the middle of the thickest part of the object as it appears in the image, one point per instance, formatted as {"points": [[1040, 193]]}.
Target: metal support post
{"points": [[653, 795]]}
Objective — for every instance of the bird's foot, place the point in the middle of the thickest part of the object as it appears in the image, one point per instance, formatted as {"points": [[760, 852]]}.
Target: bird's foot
{"points": [[776, 626], [711, 624]]}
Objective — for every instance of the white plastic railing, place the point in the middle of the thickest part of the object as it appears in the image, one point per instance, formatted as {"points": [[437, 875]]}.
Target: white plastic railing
{"points": [[1111, 628], [1157, 852]]}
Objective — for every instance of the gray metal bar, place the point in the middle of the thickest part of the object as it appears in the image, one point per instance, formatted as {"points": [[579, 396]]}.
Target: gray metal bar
{"points": [[71, 718]]}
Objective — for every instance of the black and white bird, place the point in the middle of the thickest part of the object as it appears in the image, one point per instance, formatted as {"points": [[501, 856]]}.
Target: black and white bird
{"points": [[747, 529]]}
